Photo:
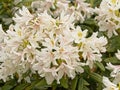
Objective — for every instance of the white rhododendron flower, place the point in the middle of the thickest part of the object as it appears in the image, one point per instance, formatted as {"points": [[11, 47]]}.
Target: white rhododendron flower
{"points": [[109, 85], [2, 35], [23, 17], [61, 44], [118, 54], [115, 72], [79, 35], [109, 16], [80, 9], [91, 48], [115, 69], [50, 45]]}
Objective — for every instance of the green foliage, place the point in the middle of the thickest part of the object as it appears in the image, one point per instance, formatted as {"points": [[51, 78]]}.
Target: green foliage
{"points": [[80, 84], [64, 82], [100, 65], [7, 87], [74, 83], [113, 60], [41, 85], [113, 44], [94, 3], [96, 77], [21, 86]]}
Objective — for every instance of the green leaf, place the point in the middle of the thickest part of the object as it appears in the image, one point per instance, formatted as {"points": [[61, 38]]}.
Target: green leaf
{"points": [[86, 83], [100, 86], [90, 22], [86, 27], [87, 69], [113, 44], [21, 86], [97, 3], [94, 3], [86, 88], [100, 65], [42, 84], [7, 87], [31, 86], [54, 85], [9, 84], [96, 77], [74, 83], [113, 60], [81, 84], [64, 82]]}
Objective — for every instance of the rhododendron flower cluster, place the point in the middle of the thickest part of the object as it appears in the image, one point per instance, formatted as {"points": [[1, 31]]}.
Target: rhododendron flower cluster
{"points": [[62, 44], [49, 46], [109, 16], [80, 9]]}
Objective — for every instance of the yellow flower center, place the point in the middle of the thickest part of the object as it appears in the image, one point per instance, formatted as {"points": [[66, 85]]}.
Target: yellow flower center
{"points": [[80, 34], [19, 33], [113, 1], [117, 13]]}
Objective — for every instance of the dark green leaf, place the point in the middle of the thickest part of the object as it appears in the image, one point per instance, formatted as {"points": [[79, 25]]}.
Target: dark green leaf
{"points": [[86, 83], [113, 44], [54, 85], [97, 3], [7, 87], [86, 27], [99, 87], [31, 86], [87, 69], [90, 22], [21, 86], [64, 82], [96, 77], [100, 65], [94, 3], [86, 88], [42, 84], [81, 84], [11, 82], [74, 83], [113, 60]]}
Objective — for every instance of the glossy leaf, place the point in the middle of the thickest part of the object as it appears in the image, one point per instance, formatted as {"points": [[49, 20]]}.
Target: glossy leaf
{"points": [[100, 65], [7, 87], [114, 44], [81, 84], [41, 84], [96, 77], [74, 83], [64, 82], [113, 60]]}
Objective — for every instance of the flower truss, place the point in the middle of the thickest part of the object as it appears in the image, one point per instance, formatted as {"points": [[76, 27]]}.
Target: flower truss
{"points": [[109, 16], [52, 43]]}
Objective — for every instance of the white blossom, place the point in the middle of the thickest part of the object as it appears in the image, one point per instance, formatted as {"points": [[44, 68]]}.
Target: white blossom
{"points": [[109, 85], [118, 54], [23, 17], [108, 16], [49, 44], [115, 72]]}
